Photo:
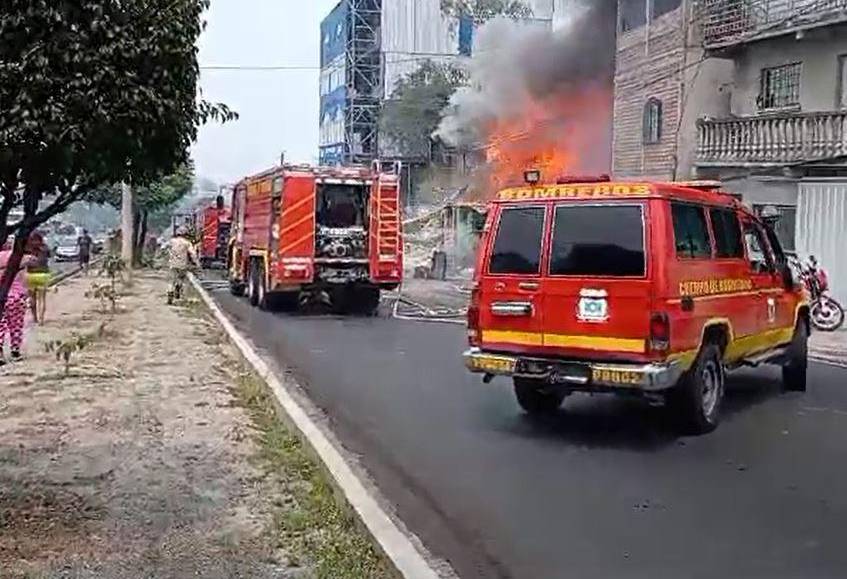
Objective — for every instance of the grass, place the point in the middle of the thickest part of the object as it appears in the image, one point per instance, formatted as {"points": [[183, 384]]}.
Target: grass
{"points": [[309, 524]]}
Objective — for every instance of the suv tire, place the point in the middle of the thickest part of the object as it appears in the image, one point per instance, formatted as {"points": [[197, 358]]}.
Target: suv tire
{"points": [[696, 400], [797, 361], [536, 398]]}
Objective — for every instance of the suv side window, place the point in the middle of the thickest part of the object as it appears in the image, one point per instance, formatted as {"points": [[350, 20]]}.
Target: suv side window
{"points": [[690, 231], [776, 246], [517, 247], [757, 249], [727, 232]]}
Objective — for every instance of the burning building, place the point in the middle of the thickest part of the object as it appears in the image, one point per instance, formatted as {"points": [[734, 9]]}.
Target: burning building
{"points": [[539, 98]]}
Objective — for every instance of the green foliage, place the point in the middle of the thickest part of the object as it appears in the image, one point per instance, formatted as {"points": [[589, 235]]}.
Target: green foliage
{"points": [[481, 11], [158, 196], [95, 92], [66, 348], [412, 115]]}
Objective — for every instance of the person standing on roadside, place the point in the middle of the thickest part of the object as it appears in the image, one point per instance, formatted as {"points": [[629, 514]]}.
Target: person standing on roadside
{"points": [[38, 275], [84, 242], [181, 256], [14, 314]]}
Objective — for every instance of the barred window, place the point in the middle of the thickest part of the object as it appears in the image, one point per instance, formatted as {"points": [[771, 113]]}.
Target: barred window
{"points": [[652, 121], [780, 87]]}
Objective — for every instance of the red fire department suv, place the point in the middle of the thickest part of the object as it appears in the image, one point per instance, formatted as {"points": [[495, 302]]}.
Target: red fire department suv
{"points": [[654, 289]]}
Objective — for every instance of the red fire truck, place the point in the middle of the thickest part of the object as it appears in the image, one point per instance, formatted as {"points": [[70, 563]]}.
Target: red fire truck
{"points": [[303, 234], [212, 224]]}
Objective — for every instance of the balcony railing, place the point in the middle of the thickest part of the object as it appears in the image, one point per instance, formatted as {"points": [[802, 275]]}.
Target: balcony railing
{"points": [[772, 140], [728, 22]]}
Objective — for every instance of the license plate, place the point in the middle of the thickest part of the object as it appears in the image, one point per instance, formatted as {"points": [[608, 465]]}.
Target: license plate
{"points": [[494, 364], [593, 309]]}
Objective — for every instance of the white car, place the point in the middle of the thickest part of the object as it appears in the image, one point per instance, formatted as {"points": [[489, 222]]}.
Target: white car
{"points": [[66, 249]]}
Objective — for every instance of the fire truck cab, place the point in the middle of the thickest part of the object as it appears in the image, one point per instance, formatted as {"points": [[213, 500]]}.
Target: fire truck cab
{"points": [[327, 234], [647, 289]]}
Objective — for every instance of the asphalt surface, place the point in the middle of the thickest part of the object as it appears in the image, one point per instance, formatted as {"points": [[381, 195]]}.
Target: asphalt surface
{"points": [[603, 489]]}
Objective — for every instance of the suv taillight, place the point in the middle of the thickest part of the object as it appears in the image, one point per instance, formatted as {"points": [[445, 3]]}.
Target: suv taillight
{"points": [[474, 338], [660, 332]]}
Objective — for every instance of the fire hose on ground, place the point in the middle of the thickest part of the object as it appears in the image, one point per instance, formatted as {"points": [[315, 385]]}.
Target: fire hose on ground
{"points": [[424, 313]]}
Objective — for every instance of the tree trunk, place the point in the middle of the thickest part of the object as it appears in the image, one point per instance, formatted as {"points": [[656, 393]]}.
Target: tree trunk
{"points": [[126, 228], [136, 231], [140, 240]]}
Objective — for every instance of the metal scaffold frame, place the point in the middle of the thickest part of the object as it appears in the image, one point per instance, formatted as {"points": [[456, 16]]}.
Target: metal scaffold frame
{"points": [[364, 80]]}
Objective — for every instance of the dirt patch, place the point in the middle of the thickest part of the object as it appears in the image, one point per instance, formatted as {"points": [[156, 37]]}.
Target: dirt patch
{"points": [[141, 461]]}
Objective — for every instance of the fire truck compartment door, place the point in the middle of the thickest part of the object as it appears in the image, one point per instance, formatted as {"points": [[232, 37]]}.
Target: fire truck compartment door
{"points": [[297, 221], [385, 244]]}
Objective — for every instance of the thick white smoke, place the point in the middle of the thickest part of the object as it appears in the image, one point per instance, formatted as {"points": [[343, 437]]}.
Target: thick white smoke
{"points": [[518, 63]]}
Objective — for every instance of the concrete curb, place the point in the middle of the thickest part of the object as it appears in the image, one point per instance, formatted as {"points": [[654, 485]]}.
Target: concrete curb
{"points": [[64, 276], [399, 548]]}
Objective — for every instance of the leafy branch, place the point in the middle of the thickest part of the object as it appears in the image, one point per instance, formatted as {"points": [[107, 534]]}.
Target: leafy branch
{"points": [[481, 11], [65, 349]]}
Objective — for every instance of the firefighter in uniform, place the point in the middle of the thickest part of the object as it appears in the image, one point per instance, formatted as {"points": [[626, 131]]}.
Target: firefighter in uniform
{"points": [[181, 256]]}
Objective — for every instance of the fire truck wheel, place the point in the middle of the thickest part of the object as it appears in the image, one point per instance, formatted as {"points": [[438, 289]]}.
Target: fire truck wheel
{"points": [[252, 290], [536, 397], [236, 288], [797, 361], [696, 400], [261, 288], [366, 300]]}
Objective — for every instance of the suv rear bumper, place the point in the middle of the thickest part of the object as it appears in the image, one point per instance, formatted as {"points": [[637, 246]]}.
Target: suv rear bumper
{"points": [[577, 374]]}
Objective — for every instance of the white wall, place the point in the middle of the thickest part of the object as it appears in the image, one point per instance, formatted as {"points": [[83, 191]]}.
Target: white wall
{"points": [[414, 31], [818, 50]]}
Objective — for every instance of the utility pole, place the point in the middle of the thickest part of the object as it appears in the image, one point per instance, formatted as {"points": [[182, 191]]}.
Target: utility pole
{"points": [[126, 228]]}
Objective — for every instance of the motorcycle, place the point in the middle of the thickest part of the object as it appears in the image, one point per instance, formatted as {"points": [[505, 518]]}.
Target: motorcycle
{"points": [[826, 313]]}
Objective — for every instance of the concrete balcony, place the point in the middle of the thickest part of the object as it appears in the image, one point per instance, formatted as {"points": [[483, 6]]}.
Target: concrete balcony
{"points": [[771, 140], [726, 23]]}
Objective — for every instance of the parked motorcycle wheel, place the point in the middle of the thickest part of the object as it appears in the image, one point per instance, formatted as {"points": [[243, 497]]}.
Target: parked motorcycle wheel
{"points": [[827, 314]]}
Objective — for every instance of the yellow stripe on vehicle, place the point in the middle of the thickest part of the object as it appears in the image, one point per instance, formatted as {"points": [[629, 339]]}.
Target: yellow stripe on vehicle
{"points": [[564, 341], [596, 343], [510, 337], [758, 343]]}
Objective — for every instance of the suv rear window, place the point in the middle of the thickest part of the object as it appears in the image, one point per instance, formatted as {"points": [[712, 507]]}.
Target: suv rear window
{"points": [[598, 240], [517, 249]]}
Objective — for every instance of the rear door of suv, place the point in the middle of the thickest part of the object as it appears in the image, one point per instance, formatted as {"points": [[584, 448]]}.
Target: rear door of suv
{"points": [[511, 287], [597, 293]]}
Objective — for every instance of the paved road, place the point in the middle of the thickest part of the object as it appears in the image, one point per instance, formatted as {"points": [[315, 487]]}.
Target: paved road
{"points": [[604, 489]]}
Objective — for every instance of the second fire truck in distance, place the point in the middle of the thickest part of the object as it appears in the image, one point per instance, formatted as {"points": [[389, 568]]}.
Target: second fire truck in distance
{"points": [[212, 228], [330, 234]]}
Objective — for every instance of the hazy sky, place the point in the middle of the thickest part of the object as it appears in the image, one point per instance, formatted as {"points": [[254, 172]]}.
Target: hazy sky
{"points": [[279, 109]]}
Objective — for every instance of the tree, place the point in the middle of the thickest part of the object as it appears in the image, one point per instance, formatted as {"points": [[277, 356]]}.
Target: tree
{"points": [[480, 11], [153, 202], [413, 113], [93, 92]]}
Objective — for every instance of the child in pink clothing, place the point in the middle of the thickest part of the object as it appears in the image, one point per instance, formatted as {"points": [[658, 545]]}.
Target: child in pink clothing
{"points": [[15, 312]]}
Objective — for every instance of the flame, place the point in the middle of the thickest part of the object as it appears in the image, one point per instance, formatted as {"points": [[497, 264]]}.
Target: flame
{"points": [[561, 134]]}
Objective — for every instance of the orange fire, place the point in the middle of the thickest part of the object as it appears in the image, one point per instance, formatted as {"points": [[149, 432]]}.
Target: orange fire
{"points": [[562, 134]]}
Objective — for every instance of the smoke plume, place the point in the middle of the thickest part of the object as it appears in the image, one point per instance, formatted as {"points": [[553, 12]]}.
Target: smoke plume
{"points": [[539, 98]]}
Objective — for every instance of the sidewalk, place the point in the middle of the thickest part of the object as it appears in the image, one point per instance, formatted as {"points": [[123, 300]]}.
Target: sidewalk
{"points": [[830, 346], [157, 455]]}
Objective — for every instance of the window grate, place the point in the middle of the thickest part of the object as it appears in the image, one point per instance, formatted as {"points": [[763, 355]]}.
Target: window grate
{"points": [[780, 87], [652, 121]]}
